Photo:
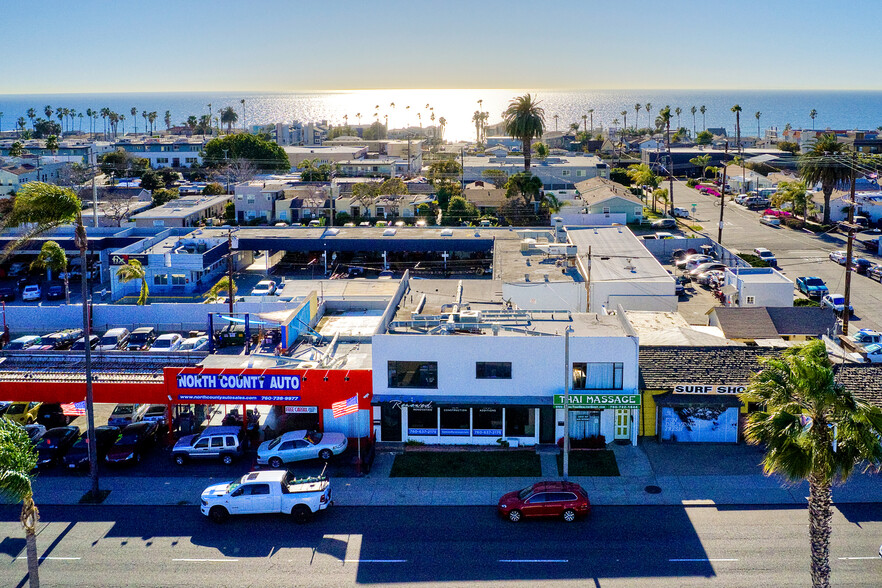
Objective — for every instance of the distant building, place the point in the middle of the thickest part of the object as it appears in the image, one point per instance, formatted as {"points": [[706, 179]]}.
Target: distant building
{"points": [[186, 211], [558, 174]]}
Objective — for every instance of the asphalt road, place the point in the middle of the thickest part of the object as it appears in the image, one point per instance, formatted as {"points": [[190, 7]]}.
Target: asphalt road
{"points": [[617, 546], [799, 253]]}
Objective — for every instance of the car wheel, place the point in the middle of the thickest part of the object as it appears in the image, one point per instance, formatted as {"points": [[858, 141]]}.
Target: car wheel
{"points": [[514, 515], [218, 514], [301, 514], [275, 463], [569, 515], [180, 459], [227, 459], [325, 454]]}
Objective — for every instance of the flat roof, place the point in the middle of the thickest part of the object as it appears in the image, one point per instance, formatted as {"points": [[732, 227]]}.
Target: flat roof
{"points": [[183, 207], [349, 356], [759, 275], [319, 149], [511, 264], [616, 255]]}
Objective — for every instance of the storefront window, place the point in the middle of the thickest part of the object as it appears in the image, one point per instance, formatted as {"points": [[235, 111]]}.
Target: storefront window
{"points": [[584, 424], [597, 376], [422, 421], [493, 370], [520, 421], [413, 374], [487, 422], [455, 420]]}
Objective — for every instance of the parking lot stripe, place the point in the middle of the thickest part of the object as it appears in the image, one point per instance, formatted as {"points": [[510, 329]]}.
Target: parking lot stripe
{"points": [[53, 558], [534, 561], [374, 561], [193, 559], [703, 559]]}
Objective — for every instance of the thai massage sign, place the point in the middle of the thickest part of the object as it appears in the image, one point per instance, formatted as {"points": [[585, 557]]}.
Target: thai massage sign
{"points": [[578, 401], [708, 389]]}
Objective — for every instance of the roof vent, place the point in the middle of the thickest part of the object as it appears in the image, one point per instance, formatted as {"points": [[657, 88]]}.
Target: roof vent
{"points": [[389, 232], [446, 232]]}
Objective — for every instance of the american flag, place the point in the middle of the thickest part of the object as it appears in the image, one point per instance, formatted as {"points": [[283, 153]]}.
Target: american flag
{"points": [[345, 407], [74, 408]]}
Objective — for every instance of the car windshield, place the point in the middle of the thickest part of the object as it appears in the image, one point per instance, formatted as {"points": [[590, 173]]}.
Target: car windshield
{"points": [[122, 409], [838, 300], [522, 495], [314, 438], [129, 439], [82, 443], [15, 409], [50, 439], [157, 410], [162, 343], [138, 337], [814, 282], [274, 443], [112, 340]]}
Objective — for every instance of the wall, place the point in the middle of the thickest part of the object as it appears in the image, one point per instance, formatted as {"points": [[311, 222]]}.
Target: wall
{"points": [[578, 219], [392, 307], [652, 294], [571, 296]]}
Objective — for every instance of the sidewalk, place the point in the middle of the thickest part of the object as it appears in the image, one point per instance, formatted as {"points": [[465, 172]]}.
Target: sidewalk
{"points": [[685, 474]]}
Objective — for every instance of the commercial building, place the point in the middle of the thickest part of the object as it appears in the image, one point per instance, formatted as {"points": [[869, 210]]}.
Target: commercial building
{"points": [[186, 211], [757, 286]]}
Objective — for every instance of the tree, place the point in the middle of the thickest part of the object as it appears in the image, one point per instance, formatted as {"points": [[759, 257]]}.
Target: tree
{"points": [[214, 189], [660, 195], [516, 212], [230, 211], [702, 161], [678, 111], [497, 177], [229, 117], [704, 138], [790, 147], [366, 193], [665, 117], [823, 164], [813, 114], [167, 120], [163, 195], [737, 110], [395, 188], [311, 172], [702, 110], [553, 203], [758, 115], [524, 119], [122, 164], [18, 459], [151, 180], [133, 270], [524, 185], [796, 194], [44, 128], [620, 176], [222, 285], [541, 150], [460, 211], [812, 429], [264, 155], [375, 132], [637, 108], [52, 257], [693, 110], [16, 149], [42, 207]]}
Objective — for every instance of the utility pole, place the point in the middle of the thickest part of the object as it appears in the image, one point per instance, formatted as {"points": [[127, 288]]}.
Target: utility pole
{"points": [[93, 165], [722, 201], [230, 269], [566, 403], [846, 313]]}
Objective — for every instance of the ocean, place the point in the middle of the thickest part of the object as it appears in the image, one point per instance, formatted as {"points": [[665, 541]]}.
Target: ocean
{"points": [[835, 109]]}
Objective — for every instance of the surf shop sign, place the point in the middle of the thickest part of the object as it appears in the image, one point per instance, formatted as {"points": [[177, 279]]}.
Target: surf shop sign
{"points": [[730, 389]]}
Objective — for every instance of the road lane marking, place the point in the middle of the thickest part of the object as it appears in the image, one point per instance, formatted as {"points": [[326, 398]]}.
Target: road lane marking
{"points": [[192, 559], [534, 561], [704, 559], [50, 557], [865, 557], [374, 561]]}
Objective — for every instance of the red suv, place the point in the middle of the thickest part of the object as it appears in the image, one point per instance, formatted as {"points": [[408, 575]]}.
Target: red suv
{"points": [[546, 499]]}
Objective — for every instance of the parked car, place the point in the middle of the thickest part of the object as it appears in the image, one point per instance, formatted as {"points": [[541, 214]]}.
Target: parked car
{"points": [[7, 294], [62, 339], [566, 500], [133, 441], [55, 292], [78, 455], [811, 286], [113, 339], [274, 491], [300, 445], [35, 431], [167, 342], [664, 223], [682, 261], [141, 338], [871, 245], [861, 265], [50, 414], [264, 288], [126, 414], [194, 344], [681, 213], [838, 257], [23, 413], [697, 261], [80, 344], [156, 413], [213, 443], [16, 269], [707, 267], [766, 256], [709, 277], [22, 343], [836, 302], [54, 444], [875, 273], [770, 220], [31, 293]]}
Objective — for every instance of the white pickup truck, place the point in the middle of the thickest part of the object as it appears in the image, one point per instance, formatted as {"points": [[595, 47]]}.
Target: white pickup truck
{"points": [[273, 491]]}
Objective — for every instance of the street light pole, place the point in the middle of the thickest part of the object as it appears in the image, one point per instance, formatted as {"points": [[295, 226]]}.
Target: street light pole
{"points": [[846, 314], [722, 205], [566, 403]]}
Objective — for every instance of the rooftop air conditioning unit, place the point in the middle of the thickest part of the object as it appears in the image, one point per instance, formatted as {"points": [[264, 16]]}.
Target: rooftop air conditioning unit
{"points": [[470, 316]]}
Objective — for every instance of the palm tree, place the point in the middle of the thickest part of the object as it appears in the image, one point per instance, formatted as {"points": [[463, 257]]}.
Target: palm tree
{"points": [[524, 119], [554, 205], [59, 114], [823, 164], [52, 143], [144, 115], [678, 111], [702, 161], [665, 116], [133, 270], [167, 119], [222, 285], [555, 122], [813, 429], [637, 108], [18, 458], [693, 110], [758, 115], [648, 108], [21, 123], [229, 117], [442, 122], [42, 207], [80, 126], [358, 116], [591, 114], [702, 110], [90, 113], [737, 110], [152, 116], [32, 114], [477, 118], [209, 117], [242, 102], [53, 257], [585, 122], [122, 119], [105, 112], [47, 110], [642, 175], [813, 114], [794, 192], [1, 120], [624, 114]]}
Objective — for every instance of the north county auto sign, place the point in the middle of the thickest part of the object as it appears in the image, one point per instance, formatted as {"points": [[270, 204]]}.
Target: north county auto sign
{"points": [[123, 259]]}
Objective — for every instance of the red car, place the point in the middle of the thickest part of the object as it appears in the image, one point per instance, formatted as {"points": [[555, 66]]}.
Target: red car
{"points": [[546, 499]]}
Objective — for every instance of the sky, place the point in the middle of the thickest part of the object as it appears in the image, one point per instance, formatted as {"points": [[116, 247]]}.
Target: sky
{"points": [[93, 46]]}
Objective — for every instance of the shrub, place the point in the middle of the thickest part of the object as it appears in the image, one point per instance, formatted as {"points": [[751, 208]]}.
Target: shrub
{"points": [[753, 260], [805, 302], [692, 182], [792, 222]]}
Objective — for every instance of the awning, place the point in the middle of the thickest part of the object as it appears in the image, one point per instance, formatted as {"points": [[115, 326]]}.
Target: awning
{"points": [[462, 400], [671, 399]]}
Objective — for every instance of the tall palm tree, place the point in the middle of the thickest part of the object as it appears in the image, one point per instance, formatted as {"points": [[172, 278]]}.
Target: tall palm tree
{"points": [[637, 108], [52, 144], [693, 110], [702, 110], [53, 257], [813, 429], [1, 120], [824, 164], [758, 115], [105, 113], [42, 207], [524, 119], [144, 115], [442, 122], [229, 117], [134, 113], [642, 175], [665, 116], [122, 119], [242, 102], [678, 111], [648, 108], [32, 114], [624, 114], [167, 119], [591, 114], [22, 124], [813, 114], [133, 270], [702, 161], [477, 118], [18, 459], [80, 126], [574, 128], [555, 122], [47, 110], [585, 122]]}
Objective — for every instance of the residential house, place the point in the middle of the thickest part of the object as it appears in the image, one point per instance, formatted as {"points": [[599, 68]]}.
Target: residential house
{"points": [[486, 197], [169, 151], [757, 286], [602, 197], [558, 174], [186, 211], [323, 154], [790, 323]]}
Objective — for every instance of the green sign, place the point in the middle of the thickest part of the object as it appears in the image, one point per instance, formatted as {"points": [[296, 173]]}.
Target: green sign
{"points": [[599, 401]]}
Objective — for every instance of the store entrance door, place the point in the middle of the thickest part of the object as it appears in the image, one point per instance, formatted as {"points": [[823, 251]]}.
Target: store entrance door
{"points": [[623, 424], [547, 424]]}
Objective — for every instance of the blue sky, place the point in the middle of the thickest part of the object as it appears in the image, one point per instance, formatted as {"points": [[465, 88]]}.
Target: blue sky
{"points": [[58, 46]]}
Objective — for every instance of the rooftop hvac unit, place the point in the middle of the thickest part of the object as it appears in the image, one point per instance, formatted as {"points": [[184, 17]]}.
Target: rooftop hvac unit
{"points": [[470, 316], [527, 244]]}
